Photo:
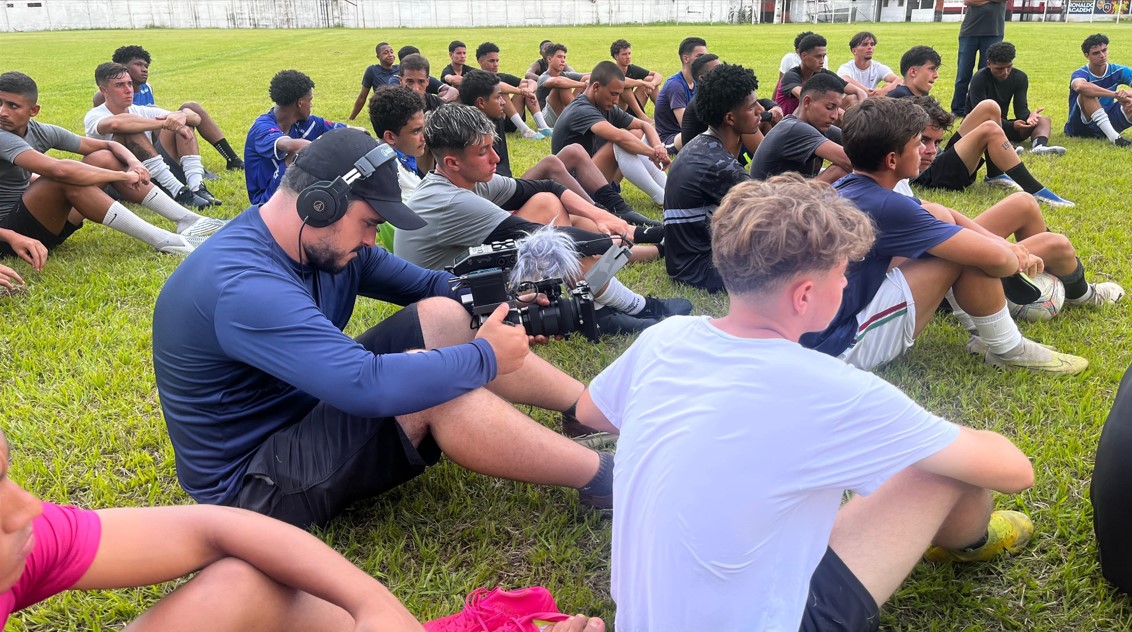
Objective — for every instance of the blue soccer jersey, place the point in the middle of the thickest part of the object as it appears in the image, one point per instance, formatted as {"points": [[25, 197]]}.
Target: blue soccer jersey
{"points": [[1114, 76], [264, 164], [143, 95]]}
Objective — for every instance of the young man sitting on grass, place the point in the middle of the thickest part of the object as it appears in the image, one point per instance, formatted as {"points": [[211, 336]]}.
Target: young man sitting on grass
{"points": [[165, 142], [642, 84], [979, 140], [35, 217], [781, 552], [520, 95], [275, 137], [893, 292], [571, 167], [1098, 106], [465, 203], [919, 68], [137, 60], [706, 170], [804, 140], [1004, 84]]}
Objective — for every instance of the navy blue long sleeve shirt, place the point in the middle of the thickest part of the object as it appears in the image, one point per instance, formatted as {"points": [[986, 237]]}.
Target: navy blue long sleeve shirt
{"points": [[246, 342]]}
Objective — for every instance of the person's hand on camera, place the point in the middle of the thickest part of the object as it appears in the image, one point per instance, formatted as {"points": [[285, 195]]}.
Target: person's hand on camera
{"points": [[508, 341]]}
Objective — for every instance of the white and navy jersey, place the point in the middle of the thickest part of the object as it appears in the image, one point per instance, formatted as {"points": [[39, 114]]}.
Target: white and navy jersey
{"points": [[1113, 77]]}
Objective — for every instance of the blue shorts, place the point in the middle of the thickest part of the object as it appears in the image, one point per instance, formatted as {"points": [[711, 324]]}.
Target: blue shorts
{"points": [[1080, 126]]}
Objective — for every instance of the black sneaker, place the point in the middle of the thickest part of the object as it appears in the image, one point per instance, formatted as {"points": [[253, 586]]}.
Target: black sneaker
{"points": [[612, 321], [185, 197], [661, 308], [210, 175], [634, 217], [203, 193], [579, 433], [235, 164], [1119, 142]]}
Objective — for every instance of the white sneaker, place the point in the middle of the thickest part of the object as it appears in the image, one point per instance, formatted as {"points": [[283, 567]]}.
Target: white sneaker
{"points": [[976, 346], [1003, 181], [1035, 357], [176, 245], [1048, 150], [204, 227], [1018, 149], [1105, 293]]}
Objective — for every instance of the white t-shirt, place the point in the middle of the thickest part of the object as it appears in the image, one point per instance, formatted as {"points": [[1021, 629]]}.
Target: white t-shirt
{"points": [[903, 188], [869, 77], [90, 121], [733, 457], [789, 60]]}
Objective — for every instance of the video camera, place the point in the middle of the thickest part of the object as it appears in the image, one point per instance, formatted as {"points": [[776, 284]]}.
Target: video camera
{"points": [[484, 270]]}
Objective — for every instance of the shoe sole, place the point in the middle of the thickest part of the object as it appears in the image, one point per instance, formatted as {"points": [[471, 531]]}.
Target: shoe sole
{"points": [[1055, 203]]}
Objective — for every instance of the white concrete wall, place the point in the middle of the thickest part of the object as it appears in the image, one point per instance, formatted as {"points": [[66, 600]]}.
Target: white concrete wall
{"points": [[35, 15]]}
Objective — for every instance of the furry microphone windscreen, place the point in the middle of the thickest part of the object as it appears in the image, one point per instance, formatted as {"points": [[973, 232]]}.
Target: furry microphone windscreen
{"points": [[546, 253]]}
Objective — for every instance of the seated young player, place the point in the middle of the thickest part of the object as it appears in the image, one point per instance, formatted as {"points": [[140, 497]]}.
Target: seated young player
{"points": [[643, 84], [383, 73], [572, 167], [239, 557], [865, 72], [521, 95], [794, 58], [137, 60], [803, 141], [705, 171], [677, 92], [171, 155], [397, 116], [884, 307], [35, 217], [541, 64], [453, 73], [1098, 106], [435, 86], [1002, 83], [980, 139], [466, 204], [788, 94], [782, 552], [919, 68], [611, 136], [558, 85], [268, 149], [415, 76]]}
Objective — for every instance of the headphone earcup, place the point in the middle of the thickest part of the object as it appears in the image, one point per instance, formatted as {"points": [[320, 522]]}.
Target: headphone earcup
{"points": [[323, 203]]}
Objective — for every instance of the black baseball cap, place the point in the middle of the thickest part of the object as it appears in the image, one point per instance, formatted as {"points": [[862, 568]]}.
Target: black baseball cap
{"points": [[340, 151]]}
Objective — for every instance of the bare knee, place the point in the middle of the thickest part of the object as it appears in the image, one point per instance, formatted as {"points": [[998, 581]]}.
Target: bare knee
{"points": [[103, 158], [231, 575], [444, 322], [987, 108]]}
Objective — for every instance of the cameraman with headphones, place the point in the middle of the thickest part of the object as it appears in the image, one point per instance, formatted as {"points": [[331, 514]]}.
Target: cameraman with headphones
{"points": [[271, 407]]}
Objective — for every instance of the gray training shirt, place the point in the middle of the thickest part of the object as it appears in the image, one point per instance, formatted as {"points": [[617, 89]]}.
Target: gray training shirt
{"points": [[40, 137]]}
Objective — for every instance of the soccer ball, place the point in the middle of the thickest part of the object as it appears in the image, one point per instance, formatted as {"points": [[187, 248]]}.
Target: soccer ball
{"points": [[1048, 304]]}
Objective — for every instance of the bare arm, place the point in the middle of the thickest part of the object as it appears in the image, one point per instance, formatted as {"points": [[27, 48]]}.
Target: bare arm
{"points": [[359, 103], [992, 256], [290, 145], [149, 545], [607, 223], [856, 84], [981, 458], [563, 82], [1086, 89], [834, 153], [71, 171], [890, 83], [533, 71]]}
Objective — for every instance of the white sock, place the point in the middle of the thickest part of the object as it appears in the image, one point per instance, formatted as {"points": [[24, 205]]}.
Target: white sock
{"points": [[160, 172], [123, 220], [635, 172], [194, 170], [1084, 298], [658, 176], [540, 121], [158, 202], [1100, 117], [520, 124], [998, 331], [964, 318], [621, 298]]}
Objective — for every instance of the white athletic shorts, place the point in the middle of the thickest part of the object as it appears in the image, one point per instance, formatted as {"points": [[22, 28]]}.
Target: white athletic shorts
{"points": [[885, 327]]}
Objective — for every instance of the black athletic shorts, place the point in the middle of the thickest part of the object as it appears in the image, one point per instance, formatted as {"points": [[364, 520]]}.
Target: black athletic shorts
{"points": [[174, 166], [948, 171], [21, 220], [1012, 133], [308, 473], [838, 601]]}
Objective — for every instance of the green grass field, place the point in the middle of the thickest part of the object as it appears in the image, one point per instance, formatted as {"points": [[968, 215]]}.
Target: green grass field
{"points": [[78, 402]]}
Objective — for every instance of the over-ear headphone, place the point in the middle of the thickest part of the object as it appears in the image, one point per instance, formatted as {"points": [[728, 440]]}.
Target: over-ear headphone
{"points": [[325, 202]]}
